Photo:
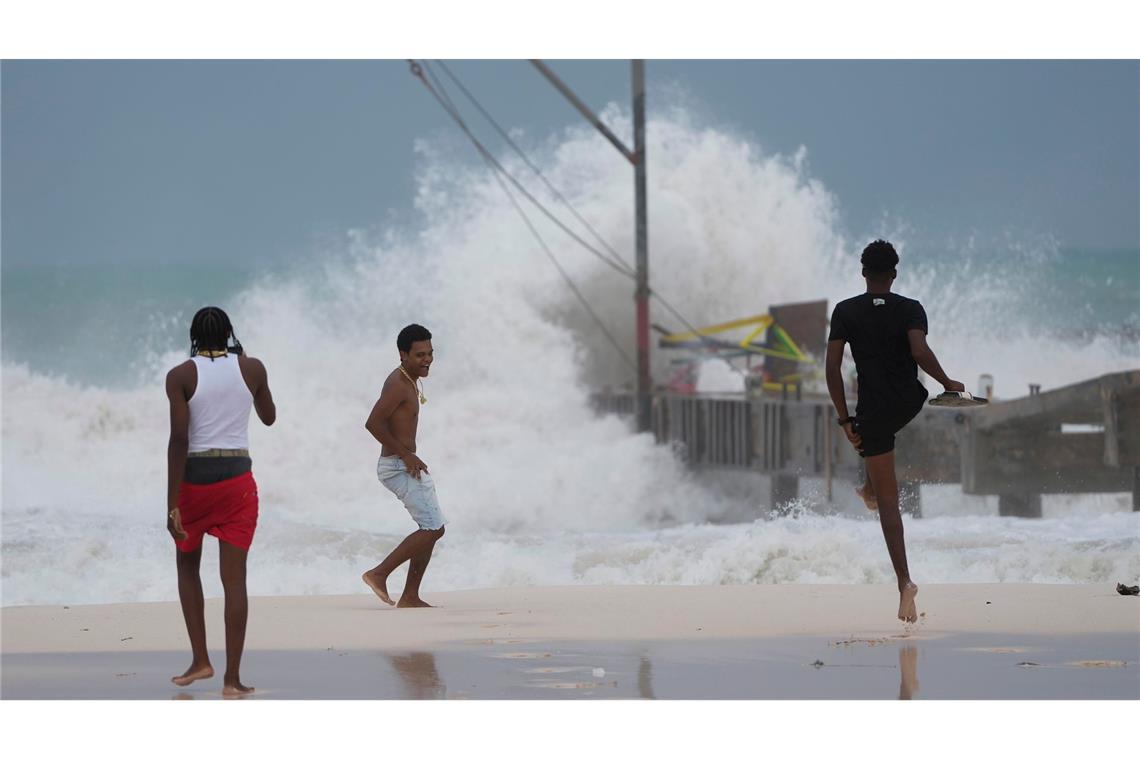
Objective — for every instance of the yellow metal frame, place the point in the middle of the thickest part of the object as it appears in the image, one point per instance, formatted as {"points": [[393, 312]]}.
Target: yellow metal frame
{"points": [[762, 322]]}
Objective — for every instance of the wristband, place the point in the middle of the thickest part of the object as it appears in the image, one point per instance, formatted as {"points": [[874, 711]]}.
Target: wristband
{"points": [[843, 421]]}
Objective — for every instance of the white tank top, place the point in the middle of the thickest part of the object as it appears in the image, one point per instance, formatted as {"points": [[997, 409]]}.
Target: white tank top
{"points": [[219, 408]]}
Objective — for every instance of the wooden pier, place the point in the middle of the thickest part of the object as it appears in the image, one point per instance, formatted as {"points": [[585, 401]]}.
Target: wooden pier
{"points": [[1082, 438]]}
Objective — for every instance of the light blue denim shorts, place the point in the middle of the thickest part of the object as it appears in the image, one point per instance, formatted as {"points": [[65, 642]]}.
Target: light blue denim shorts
{"points": [[418, 495]]}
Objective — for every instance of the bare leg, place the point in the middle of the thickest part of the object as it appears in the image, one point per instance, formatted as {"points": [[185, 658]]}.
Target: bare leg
{"points": [[417, 565], [232, 565], [416, 543], [194, 612], [881, 473]]}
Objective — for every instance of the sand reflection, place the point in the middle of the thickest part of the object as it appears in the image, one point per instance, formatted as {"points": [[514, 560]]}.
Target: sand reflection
{"points": [[645, 678], [418, 675], [908, 671]]}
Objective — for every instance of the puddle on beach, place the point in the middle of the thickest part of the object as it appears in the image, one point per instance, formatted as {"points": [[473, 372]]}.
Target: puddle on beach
{"points": [[889, 667]]}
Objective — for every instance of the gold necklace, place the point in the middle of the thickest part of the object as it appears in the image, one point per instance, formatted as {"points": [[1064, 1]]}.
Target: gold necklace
{"points": [[212, 354], [404, 372]]}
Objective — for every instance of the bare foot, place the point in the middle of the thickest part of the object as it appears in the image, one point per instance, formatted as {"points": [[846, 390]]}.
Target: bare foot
{"points": [[378, 586], [192, 674], [235, 690], [908, 613], [416, 602], [868, 496]]}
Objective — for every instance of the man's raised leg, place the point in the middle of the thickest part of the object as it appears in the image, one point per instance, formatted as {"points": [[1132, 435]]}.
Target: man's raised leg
{"points": [[417, 565], [881, 473], [232, 566], [377, 577], [194, 612]]}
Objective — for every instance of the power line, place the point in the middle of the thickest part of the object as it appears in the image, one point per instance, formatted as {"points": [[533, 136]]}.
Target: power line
{"points": [[569, 282], [439, 86], [620, 266], [507, 138], [417, 71], [542, 243]]}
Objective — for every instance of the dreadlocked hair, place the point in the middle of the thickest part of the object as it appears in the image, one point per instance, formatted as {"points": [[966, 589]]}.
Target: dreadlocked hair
{"points": [[209, 330]]}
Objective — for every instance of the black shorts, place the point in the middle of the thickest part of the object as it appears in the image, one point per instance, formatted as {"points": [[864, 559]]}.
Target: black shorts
{"points": [[203, 471], [878, 433]]}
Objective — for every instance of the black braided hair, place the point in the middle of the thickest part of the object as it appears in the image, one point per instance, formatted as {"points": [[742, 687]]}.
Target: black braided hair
{"points": [[210, 330]]}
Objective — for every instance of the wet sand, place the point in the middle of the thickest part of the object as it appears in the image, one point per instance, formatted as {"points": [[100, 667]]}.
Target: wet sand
{"points": [[985, 641], [955, 667]]}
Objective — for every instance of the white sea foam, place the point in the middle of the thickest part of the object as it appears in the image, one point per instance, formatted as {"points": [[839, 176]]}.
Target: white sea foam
{"points": [[95, 558], [537, 489]]}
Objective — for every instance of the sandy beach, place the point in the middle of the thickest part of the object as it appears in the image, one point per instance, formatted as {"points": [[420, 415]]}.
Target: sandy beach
{"points": [[743, 642]]}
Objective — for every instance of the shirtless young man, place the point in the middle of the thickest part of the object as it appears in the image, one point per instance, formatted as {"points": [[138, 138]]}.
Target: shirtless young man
{"points": [[393, 423], [210, 486], [887, 333]]}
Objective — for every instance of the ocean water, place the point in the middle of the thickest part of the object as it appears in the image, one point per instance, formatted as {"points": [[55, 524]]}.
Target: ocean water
{"points": [[537, 489]]}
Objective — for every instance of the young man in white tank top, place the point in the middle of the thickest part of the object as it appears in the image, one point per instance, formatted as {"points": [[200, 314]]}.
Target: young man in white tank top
{"points": [[210, 486]]}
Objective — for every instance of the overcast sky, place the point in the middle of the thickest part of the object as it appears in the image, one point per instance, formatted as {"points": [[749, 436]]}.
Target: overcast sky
{"points": [[260, 161]]}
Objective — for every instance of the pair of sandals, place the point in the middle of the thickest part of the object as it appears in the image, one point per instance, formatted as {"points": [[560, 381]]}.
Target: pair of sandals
{"points": [[957, 399]]}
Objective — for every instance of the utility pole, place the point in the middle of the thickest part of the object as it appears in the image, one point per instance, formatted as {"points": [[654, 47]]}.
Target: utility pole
{"points": [[637, 158], [641, 294]]}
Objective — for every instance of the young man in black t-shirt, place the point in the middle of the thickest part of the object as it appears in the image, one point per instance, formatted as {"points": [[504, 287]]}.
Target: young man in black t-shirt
{"points": [[887, 333]]}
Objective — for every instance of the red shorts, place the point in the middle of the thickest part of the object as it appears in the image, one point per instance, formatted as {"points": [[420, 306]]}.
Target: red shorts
{"points": [[226, 510]]}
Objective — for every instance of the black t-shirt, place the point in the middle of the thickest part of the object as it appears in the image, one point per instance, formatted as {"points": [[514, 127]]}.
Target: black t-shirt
{"points": [[876, 324]]}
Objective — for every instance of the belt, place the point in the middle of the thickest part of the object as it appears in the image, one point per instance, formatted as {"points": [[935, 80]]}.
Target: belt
{"points": [[220, 453]]}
